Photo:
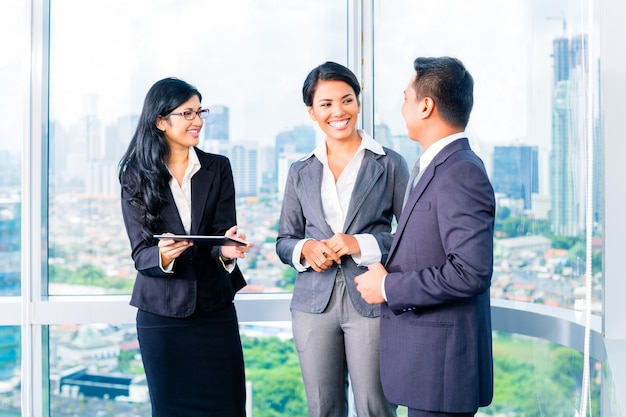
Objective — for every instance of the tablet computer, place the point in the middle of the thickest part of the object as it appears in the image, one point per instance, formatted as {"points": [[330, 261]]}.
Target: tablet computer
{"points": [[205, 240]]}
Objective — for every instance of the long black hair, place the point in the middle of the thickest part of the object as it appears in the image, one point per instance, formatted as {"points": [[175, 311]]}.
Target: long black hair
{"points": [[143, 172]]}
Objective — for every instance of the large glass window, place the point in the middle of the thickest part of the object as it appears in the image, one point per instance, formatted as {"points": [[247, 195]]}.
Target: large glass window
{"points": [[13, 69], [535, 73], [13, 99], [247, 58], [96, 370]]}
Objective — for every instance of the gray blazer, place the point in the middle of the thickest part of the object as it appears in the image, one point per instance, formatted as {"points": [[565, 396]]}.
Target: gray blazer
{"points": [[376, 199]]}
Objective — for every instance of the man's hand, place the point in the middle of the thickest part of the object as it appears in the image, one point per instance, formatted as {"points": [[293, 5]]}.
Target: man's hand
{"points": [[369, 284]]}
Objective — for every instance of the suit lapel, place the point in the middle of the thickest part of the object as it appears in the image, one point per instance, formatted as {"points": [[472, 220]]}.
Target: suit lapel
{"points": [[171, 216], [421, 186], [311, 177], [407, 210], [369, 173], [201, 186]]}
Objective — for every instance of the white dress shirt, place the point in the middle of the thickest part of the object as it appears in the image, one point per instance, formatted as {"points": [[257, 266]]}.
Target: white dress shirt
{"points": [[182, 192], [427, 157], [182, 198]]}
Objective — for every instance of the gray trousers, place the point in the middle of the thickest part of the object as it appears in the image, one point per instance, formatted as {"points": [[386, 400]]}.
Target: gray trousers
{"points": [[334, 345]]}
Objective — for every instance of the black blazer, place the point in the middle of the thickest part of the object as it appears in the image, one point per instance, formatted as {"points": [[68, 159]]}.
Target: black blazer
{"points": [[199, 280]]}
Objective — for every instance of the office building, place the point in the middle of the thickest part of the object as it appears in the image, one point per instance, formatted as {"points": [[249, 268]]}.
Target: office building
{"points": [[516, 172]]}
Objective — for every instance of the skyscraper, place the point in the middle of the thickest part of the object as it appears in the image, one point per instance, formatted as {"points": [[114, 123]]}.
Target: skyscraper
{"points": [[244, 162], [568, 158], [291, 145], [300, 139], [516, 172], [217, 125]]}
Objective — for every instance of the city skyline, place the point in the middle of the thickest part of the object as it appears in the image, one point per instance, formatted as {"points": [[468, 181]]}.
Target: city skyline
{"points": [[265, 99]]}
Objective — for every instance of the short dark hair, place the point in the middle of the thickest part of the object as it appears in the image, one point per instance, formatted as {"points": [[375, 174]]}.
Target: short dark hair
{"points": [[328, 71], [449, 84]]}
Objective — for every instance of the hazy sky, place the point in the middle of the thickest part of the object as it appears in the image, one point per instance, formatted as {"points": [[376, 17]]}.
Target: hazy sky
{"points": [[253, 55]]}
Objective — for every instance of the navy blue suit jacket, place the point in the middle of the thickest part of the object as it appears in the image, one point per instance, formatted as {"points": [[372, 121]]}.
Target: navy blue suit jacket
{"points": [[436, 325], [199, 279]]}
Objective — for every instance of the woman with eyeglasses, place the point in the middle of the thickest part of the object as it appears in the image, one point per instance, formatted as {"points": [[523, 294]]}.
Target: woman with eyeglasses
{"points": [[186, 320], [338, 208]]}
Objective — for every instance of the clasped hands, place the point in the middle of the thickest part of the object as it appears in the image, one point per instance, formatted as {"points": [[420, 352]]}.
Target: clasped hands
{"points": [[321, 254]]}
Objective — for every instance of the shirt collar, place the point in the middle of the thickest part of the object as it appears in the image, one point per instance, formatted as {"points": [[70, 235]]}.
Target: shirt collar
{"points": [[193, 165], [367, 142], [194, 162], [430, 153]]}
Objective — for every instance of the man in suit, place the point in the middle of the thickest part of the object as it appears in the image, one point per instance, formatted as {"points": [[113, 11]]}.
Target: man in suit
{"points": [[435, 337]]}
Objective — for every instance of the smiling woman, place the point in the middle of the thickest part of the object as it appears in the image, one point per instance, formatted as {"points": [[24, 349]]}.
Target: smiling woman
{"points": [[184, 292], [338, 206]]}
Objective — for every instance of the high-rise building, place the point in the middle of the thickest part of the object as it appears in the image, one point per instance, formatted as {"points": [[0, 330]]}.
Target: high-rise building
{"points": [[291, 145], [10, 284], [410, 149], [10, 243], [300, 139], [267, 170], [217, 125], [244, 161], [516, 172], [382, 134], [567, 180]]}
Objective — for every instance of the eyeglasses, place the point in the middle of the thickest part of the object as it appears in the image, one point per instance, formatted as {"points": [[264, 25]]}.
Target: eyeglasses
{"points": [[190, 114]]}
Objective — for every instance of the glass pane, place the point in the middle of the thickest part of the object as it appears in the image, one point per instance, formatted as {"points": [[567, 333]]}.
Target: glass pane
{"points": [[248, 58], [531, 124], [273, 375], [10, 365], [13, 67], [536, 377], [96, 370]]}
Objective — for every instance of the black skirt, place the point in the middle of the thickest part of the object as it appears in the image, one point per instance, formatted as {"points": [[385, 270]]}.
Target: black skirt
{"points": [[194, 365]]}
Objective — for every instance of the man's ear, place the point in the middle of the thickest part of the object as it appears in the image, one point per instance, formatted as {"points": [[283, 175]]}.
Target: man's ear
{"points": [[428, 106], [311, 113]]}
